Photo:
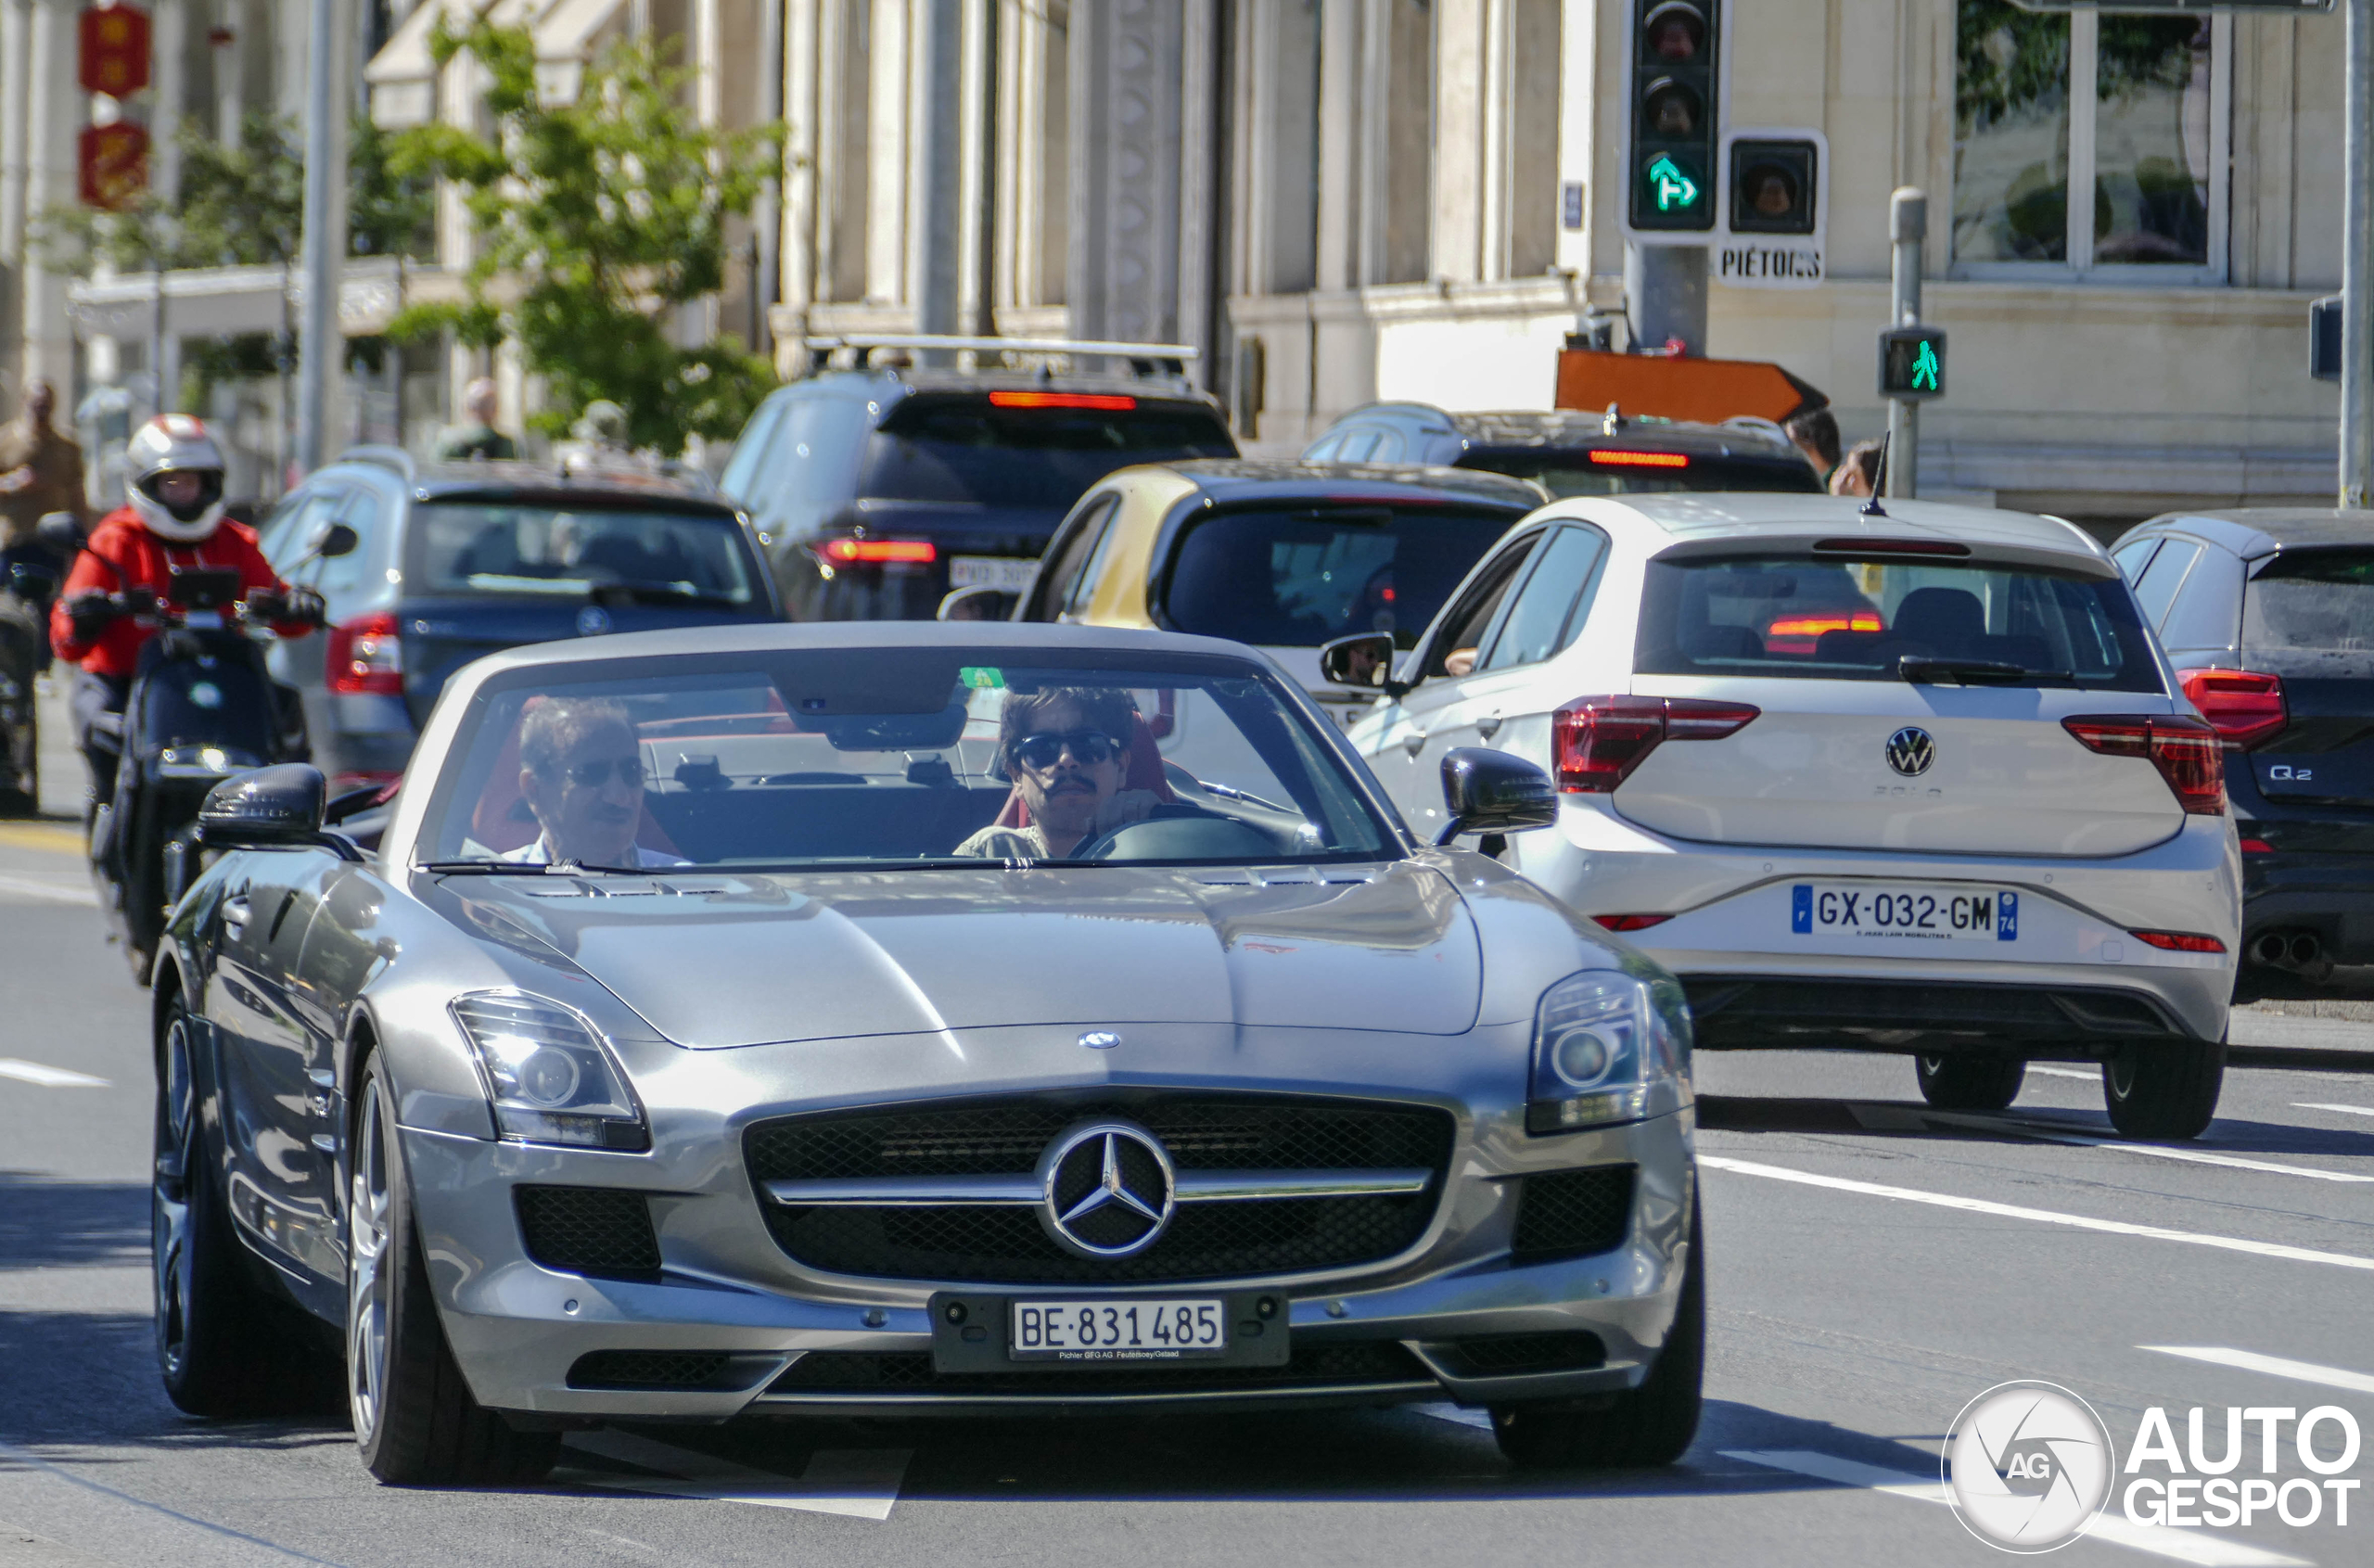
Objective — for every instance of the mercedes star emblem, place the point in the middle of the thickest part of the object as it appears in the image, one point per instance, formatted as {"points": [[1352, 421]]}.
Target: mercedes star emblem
{"points": [[592, 620], [1911, 751], [1100, 1039], [1106, 1190]]}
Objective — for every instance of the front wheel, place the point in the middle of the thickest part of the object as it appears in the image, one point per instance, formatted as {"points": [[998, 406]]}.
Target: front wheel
{"points": [[1650, 1425], [1969, 1083], [415, 1418], [2167, 1088]]}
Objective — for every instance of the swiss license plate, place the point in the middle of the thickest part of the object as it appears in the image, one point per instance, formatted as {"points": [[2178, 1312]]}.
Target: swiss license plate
{"points": [[1008, 572], [983, 1333], [1904, 912]]}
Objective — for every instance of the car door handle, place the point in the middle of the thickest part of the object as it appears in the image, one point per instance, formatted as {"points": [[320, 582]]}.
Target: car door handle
{"points": [[1414, 742], [235, 913], [1488, 725]]}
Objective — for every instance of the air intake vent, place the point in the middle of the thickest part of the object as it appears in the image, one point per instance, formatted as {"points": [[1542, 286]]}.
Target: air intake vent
{"points": [[594, 1230], [1573, 1213], [1519, 1355]]}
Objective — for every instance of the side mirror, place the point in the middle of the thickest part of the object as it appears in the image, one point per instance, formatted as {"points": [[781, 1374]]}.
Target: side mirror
{"points": [[277, 807], [980, 602], [338, 539], [59, 531], [1364, 662], [1492, 792]]}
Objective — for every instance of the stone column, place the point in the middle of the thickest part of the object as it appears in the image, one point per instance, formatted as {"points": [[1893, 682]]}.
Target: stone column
{"points": [[55, 113], [1126, 79]]}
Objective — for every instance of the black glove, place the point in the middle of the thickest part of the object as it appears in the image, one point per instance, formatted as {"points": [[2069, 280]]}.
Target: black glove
{"points": [[306, 604], [91, 613]]}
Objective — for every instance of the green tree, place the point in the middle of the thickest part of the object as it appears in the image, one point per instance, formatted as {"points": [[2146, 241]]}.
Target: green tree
{"points": [[600, 218]]}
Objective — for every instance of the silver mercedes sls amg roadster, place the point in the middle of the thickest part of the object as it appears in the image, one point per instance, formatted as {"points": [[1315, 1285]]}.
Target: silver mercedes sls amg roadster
{"points": [[907, 1020]]}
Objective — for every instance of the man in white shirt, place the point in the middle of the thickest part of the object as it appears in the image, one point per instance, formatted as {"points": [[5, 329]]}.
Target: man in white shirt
{"points": [[580, 770]]}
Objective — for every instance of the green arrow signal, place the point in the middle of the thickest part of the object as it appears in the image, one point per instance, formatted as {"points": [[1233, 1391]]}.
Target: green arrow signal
{"points": [[1925, 367], [1674, 187]]}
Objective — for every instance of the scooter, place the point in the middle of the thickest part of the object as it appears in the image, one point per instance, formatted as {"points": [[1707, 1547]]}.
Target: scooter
{"points": [[202, 706], [25, 591]]}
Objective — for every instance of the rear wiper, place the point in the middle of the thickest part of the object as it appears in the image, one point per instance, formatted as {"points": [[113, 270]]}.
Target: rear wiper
{"points": [[1972, 672]]}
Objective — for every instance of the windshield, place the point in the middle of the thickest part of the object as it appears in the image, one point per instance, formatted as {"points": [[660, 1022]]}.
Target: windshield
{"points": [[491, 547], [1295, 578], [901, 757], [1844, 620], [2312, 599], [969, 452], [1629, 473]]}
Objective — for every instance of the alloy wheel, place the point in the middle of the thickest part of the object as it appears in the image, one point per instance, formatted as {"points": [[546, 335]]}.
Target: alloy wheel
{"points": [[367, 1282], [169, 1203]]}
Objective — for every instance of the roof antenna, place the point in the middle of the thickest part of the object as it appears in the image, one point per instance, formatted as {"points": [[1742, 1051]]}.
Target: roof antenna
{"points": [[1613, 422], [1871, 508]]}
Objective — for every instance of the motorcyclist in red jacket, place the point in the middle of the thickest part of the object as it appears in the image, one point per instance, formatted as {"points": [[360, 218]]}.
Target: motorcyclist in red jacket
{"points": [[172, 521]]}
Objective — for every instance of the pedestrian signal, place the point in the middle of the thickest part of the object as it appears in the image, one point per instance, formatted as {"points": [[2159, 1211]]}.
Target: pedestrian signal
{"points": [[1912, 363]]}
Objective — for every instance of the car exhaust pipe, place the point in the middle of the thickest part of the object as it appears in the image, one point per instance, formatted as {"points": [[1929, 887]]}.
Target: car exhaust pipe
{"points": [[2304, 950], [2269, 947]]}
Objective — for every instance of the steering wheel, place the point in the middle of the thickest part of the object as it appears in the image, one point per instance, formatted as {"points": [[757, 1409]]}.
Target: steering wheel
{"points": [[1180, 832]]}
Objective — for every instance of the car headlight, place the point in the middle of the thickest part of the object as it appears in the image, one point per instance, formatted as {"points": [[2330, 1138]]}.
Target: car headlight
{"points": [[1608, 1047], [550, 1076]]}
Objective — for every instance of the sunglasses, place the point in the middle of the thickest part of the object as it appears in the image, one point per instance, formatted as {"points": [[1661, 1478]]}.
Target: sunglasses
{"points": [[595, 775], [1044, 749]]}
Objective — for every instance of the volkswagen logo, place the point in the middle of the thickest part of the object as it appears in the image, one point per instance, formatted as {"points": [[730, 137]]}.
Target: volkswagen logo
{"points": [[1911, 751], [1106, 1190], [592, 620]]}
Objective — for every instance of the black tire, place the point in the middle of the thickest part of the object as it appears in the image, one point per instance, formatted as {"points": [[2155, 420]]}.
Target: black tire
{"points": [[1969, 1083], [415, 1418], [1649, 1426], [224, 1347], [2165, 1088]]}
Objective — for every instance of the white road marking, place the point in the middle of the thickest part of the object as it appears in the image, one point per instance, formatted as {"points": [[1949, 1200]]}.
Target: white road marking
{"points": [[2274, 1366], [2344, 1110], [64, 892], [858, 1482], [2184, 1546], [2153, 1150], [2094, 1075], [49, 1077], [2046, 1216]]}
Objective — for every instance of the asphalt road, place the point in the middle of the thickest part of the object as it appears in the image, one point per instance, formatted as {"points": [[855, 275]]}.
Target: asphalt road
{"points": [[1871, 1268]]}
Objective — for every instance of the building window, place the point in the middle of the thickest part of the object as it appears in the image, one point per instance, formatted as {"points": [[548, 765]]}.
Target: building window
{"points": [[2124, 181]]}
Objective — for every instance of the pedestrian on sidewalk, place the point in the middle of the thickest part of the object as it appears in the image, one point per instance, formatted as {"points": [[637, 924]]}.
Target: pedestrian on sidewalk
{"points": [[1815, 431], [476, 437], [40, 472], [1859, 474]]}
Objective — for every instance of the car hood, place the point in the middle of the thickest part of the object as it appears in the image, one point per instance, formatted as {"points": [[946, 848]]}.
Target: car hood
{"points": [[714, 961]]}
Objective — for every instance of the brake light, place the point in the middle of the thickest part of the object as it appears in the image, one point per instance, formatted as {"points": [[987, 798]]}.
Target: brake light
{"points": [[2257, 847], [917, 552], [1641, 459], [1112, 401], [2180, 941], [1893, 546], [1801, 634], [1631, 922], [367, 654], [1596, 742], [2243, 706], [2189, 753]]}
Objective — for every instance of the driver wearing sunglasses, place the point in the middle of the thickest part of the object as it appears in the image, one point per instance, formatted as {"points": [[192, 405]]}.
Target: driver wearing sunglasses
{"points": [[581, 772], [1068, 750]]}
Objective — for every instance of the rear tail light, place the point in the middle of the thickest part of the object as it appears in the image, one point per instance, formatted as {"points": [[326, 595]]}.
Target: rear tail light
{"points": [[2180, 941], [2188, 752], [367, 654], [1596, 742], [2244, 707], [1110, 402], [1631, 921], [2257, 847], [1607, 459], [918, 552]]}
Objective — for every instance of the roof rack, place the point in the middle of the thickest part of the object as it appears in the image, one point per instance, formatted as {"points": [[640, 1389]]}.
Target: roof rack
{"points": [[1166, 359], [393, 457]]}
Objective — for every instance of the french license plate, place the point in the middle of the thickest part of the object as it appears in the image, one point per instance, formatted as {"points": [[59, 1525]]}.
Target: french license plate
{"points": [[1007, 572], [1904, 912], [979, 1333]]}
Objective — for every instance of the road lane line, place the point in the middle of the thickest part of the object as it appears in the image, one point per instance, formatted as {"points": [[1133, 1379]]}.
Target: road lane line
{"points": [[2080, 1073], [2044, 1216], [63, 892], [2154, 1151], [2274, 1366], [856, 1482], [2184, 1546], [53, 839], [48, 1077], [2344, 1110]]}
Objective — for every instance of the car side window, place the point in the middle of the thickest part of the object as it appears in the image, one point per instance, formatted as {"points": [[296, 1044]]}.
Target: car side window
{"points": [[1325, 449], [1550, 607], [352, 571], [292, 533], [2207, 610], [1454, 650], [743, 466], [1067, 559], [1356, 446], [2132, 558], [2156, 589], [814, 448], [1387, 447]]}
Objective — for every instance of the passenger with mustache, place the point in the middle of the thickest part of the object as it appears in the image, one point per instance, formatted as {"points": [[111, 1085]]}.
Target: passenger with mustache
{"points": [[1067, 749]]}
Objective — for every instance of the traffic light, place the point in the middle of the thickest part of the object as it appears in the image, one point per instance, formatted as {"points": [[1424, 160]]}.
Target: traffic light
{"points": [[1675, 105], [1773, 187], [1912, 363]]}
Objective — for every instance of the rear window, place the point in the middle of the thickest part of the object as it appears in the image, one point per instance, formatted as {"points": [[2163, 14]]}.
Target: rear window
{"points": [[1844, 620], [1297, 577], [968, 453], [1637, 471], [2321, 599], [645, 555]]}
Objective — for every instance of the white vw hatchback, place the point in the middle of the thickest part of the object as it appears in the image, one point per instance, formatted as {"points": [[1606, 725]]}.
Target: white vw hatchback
{"points": [[1914, 779]]}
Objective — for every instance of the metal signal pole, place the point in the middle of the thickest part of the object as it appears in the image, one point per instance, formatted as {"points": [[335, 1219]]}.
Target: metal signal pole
{"points": [[321, 346], [1908, 217], [2357, 265]]}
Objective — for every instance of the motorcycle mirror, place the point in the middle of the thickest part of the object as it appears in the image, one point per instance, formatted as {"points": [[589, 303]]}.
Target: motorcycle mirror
{"points": [[59, 531]]}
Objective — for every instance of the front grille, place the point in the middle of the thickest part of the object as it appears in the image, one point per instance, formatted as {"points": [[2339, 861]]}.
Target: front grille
{"points": [[1573, 1213], [649, 1369], [595, 1230], [978, 1243], [1515, 1354], [836, 1371]]}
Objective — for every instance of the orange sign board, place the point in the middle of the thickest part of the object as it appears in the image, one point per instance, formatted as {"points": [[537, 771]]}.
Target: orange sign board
{"points": [[1702, 389], [112, 165], [112, 55]]}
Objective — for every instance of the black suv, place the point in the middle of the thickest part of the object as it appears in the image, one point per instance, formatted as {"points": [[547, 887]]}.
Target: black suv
{"points": [[2268, 617], [1571, 453], [877, 490], [452, 561]]}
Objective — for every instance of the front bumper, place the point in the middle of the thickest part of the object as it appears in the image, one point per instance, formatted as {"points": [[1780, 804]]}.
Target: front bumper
{"points": [[1398, 1330]]}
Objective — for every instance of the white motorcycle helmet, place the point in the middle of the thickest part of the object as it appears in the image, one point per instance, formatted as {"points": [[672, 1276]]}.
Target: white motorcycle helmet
{"points": [[176, 443]]}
